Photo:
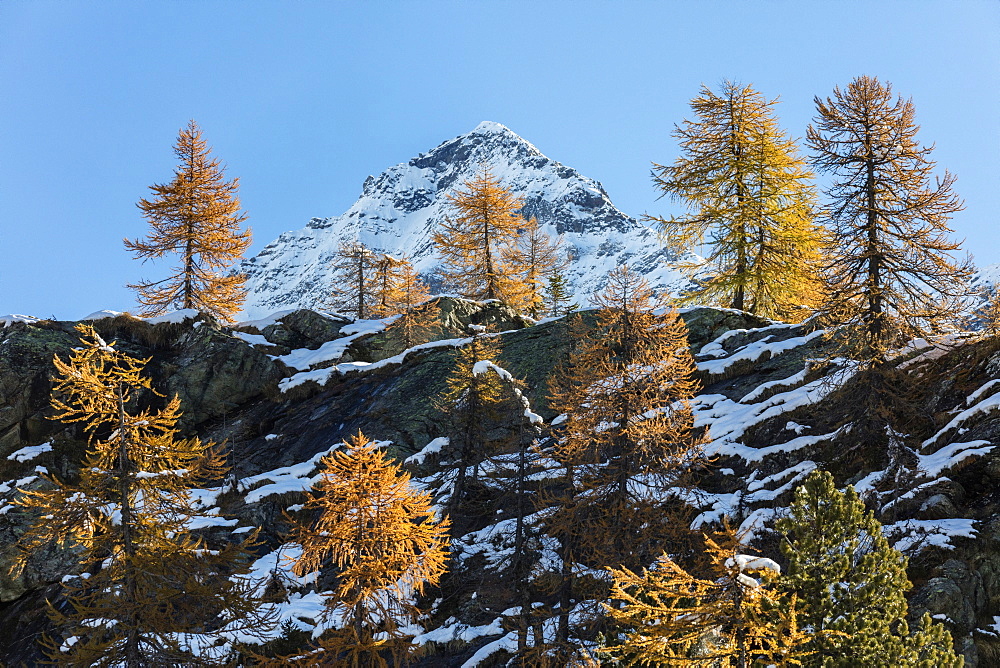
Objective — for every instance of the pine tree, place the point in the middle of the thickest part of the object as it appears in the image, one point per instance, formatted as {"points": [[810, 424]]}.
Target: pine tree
{"points": [[558, 296], [735, 617], [851, 581], [476, 245], [355, 284], [151, 593], [892, 276], [383, 538], [197, 216], [539, 257], [752, 200]]}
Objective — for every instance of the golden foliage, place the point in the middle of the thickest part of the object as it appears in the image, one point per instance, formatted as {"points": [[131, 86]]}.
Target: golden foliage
{"points": [[752, 199], [472, 399], [538, 257], [626, 441], [892, 275], [407, 295], [629, 423], [382, 537], [476, 245], [734, 617], [355, 283], [197, 216], [151, 585]]}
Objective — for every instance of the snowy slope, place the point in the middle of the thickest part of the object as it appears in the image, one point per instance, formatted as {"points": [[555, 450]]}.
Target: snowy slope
{"points": [[984, 282], [399, 209]]}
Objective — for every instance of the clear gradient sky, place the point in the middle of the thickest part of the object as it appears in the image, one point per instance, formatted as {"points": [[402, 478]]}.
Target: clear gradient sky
{"points": [[302, 100]]}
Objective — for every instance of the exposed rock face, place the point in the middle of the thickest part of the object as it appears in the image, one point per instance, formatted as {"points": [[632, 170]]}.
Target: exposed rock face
{"points": [[399, 209], [770, 403]]}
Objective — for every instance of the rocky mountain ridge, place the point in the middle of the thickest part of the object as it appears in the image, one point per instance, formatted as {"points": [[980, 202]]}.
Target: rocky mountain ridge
{"points": [[399, 209], [285, 389]]}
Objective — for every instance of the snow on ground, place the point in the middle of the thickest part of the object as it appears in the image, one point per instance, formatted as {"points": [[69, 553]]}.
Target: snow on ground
{"points": [[507, 642], [932, 349], [320, 376], [716, 347], [304, 359], [752, 352], [734, 504], [987, 405], [909, 536], [983, 389], [452, 629], [728, 420], [30, 452], [13, 317], [175, 316], [294, 478], [252, 339], [431, 448], [936, 463], [101, 315], [266, 321]]}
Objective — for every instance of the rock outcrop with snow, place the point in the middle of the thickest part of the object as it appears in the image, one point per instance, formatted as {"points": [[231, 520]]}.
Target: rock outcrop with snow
{"points": [[399, 209]]}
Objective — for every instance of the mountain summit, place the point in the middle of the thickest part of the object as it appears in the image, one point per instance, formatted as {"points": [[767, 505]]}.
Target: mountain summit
{"points": [[399, 209]]}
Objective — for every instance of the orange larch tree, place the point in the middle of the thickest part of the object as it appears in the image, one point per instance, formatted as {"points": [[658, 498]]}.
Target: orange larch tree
{"points": [[355, 284], [626, 442], [386, 544], [408, 297], [196, 216], [476, 244], [150, 591], [539, 258]]}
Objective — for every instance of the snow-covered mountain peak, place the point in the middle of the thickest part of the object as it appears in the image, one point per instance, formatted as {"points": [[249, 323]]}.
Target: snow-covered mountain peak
{"points": [[399, 209], [490, 127]]}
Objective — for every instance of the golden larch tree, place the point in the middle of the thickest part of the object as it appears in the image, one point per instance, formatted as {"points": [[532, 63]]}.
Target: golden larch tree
{"points": [[386, 544], [629, 424], [197, 217], [751, 200], [150, 591], [355, 283], [417, 322], [626, 441], [384, 288], [476, 243], [892, 274], [735, 617], [472, 400], [539, 257]]}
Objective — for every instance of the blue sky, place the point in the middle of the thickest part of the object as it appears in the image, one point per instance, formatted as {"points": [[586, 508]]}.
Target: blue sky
{"points": [[302, 100]]}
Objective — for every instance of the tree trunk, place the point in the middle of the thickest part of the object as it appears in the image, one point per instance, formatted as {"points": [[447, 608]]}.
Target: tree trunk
{"points": [[740, 232], [875, 316], [189, 301], [132, 656]]}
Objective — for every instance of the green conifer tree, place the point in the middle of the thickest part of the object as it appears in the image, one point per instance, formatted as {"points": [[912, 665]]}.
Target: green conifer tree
{"points": [[851, 581], [558, 295]]}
